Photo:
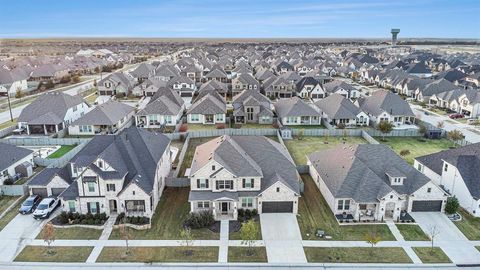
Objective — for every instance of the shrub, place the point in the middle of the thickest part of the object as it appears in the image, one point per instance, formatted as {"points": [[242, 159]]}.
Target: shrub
{"points": [[8, 182], [248, 214], [404, 152], [220, 126], [452, 205], [254, 212], [241, 213], [63, 217], [199, 220], [183, 128]]}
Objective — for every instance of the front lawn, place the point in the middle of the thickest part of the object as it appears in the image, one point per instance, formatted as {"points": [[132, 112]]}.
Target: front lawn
{"points": [[11, 214], [187, 160], [74, 233], [416, 145], [62, 254], [171, 212], [61, 151], [412, 232], [357, 255], [314, 213], [469, 225], [237, 236], [159, 254], [300, 148], [429, 255], [6, 201], [241, 254]]}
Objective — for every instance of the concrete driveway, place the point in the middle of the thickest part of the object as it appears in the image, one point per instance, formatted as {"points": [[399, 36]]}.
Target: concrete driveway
{"points": [[282, 237], [449, 238], [17, 233]]}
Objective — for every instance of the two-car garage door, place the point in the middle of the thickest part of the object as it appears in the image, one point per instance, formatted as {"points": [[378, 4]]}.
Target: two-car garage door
{"points": [[277, 207], [427, 206]]}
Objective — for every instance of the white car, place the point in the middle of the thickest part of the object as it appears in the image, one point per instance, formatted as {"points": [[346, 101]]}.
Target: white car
{"points": [[46, 208]]}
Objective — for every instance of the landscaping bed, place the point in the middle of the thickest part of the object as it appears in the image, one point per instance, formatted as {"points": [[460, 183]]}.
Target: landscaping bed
{"points": [[417, 146], [68, 218], [314, 213], [61, 254], [241, 254], [429, 255], [412, 232], [356, 255], [244, 216], [159, 254]]}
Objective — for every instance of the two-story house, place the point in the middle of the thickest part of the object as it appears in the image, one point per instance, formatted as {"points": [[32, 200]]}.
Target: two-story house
{"points": [[250, 106]]}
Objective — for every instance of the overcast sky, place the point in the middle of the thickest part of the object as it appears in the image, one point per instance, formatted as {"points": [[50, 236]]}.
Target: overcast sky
{"points": [[246, 18]]}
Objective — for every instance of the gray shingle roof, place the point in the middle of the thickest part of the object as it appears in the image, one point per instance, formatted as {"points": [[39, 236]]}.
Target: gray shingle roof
{"points": [[44, 177], [337, 106], [385, 101], [108, 113], [294, 107], [11, 154], [210, 103]]}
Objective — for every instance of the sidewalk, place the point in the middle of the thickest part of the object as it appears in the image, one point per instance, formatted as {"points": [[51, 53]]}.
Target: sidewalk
{"points": [[408, 249], [223, 250]]}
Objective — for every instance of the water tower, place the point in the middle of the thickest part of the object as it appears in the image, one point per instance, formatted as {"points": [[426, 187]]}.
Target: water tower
{"points": [[394, 36]]}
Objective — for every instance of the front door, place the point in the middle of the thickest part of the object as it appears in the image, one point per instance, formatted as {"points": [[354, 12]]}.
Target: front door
{"points": [[224, 207], [113, 206]]}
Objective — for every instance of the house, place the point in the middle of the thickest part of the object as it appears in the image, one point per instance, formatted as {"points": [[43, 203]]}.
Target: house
{"points": [[279, 87], [184, 86], [469, 103], [12, 82], [164, 109], [15, 162], [219, 87], [424, 93], [244, 81], [342, 88], [106, 118], [50, 182], [123, 173], [51, 113], [384, 105], [294, 111], [309, 87], [371, 182], [48, 72], [420, 70], [143, 72], [456, 171], [208, 108], [243, 172], [117, 83], [337, 109], [250, 106]]}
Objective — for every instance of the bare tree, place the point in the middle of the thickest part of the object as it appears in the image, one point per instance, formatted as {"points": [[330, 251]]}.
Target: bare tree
{"points": [[126, 234], [49, 236], [186, 240], [440, 124], [433, 231]]}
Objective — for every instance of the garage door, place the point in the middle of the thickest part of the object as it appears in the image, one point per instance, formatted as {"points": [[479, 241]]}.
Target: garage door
{"points": [[427, 206], [57, 191], [40, 191], [277, 207]]}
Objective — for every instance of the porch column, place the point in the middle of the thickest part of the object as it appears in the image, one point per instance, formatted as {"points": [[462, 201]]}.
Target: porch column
{"points": [[45, 130], [28, 129]]}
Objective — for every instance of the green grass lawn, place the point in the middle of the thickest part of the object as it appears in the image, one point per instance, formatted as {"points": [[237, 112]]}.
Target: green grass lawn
{"points": [[241, 254], [159, 254], [314, 213], [412, 232], [256, 126], [167, 221], [12, 213], [237, 236], [187, 160], [195, 127], [8, 124], [357, 255], [417, 148], [74, 233], [91, 98], [307, 127], [429, 255], [6, 201], [61, 151], [62, 254], [469, 225], [299, 149]]}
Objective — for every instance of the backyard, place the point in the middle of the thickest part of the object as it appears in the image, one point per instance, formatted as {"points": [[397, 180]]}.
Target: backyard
{"points": [[62, 254], [469, 225], [159, 254], [314, 213], [357, 255], [61, 151], [171, 212], [300, 148], [187, 160], [416, 145]]}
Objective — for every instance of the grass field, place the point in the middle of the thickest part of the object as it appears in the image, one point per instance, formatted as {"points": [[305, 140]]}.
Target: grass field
{"points": [[241, 254], [416, 147], [299, 149], [158, 254], [62, 254], [61, 151], [74, 233], [429, 255], [357, 255], [411, 232], [171, 212], [314, 213], [469, 225]]}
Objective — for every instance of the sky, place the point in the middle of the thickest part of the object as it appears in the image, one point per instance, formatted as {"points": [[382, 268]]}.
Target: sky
{"points": [[240, 19]]}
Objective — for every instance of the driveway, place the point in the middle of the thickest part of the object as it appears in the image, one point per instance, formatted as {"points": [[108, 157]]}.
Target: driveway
{"points": [[17, 233], [282, 238], [449, 237]]}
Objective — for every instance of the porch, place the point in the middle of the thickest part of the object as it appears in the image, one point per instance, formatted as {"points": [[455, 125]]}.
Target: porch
{"points": [[310, 120], [225, 210]]}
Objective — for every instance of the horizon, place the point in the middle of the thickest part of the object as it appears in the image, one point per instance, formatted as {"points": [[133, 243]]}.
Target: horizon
{"points": [[269, 19]]}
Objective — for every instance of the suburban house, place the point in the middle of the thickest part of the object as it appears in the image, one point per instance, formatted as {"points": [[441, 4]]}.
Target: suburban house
{"points": [[50, 182], [384, 105], [118, 83], [51, 113], [208, 108], [342, 88], [371, 182], [279, 87], [469, 103], [184, 86], [309, 87], [12, 81], [337, 109], [243, 172], [123, 173], [456, 171], [15, 162], [250, 106], [48, 72], [106, 118], [294, 111], [165, 108], [244, 81]]}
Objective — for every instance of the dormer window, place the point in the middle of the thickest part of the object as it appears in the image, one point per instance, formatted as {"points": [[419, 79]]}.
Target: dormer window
{"points": [[396, 181]]}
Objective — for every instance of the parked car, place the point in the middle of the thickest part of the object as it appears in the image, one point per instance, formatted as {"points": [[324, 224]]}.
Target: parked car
{"points": [[46, 208], [30, 204], [456, 116]]}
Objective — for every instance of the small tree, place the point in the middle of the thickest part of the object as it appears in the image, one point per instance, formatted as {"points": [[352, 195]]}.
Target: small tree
{"points": [[433, 231], [49, 236], [455, 135], [422, 129], [372, 238], [301, 132], [440, 124], [385, 127], [404, 152], [125, 232], [452, 205], [186, 240], [248, 234]]}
